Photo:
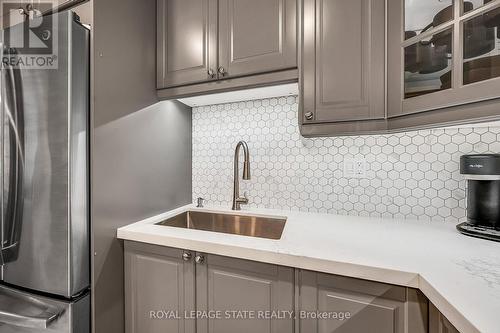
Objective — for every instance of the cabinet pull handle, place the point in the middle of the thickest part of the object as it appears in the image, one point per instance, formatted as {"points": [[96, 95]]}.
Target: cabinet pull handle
{"points": [[309, 115], [186, 256], [199, 259], [222, 70], [211, 73]]}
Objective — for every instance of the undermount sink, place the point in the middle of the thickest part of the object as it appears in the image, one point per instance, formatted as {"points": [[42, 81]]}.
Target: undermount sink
{"points": [[244, 225]]}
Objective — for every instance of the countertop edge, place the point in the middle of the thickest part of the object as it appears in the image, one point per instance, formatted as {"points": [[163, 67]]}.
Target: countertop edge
{"points": [[460, 322], [406, 279]]}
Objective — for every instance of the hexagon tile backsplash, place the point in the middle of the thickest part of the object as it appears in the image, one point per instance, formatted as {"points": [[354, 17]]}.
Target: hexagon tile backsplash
{"points": [[413, 175]]}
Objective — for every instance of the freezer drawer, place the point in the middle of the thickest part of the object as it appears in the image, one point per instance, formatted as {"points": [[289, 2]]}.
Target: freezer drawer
{"points": [[21, 312]]}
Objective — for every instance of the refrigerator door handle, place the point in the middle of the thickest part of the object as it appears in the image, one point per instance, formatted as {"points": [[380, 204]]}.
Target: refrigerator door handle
{"points": [[41, 321]]}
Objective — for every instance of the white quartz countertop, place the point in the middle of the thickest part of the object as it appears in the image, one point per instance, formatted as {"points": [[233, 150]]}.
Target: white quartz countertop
{"points": [[459, 274]]}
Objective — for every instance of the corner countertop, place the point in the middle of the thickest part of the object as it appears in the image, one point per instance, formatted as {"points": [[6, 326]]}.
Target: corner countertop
{"points": [[459, 274]]}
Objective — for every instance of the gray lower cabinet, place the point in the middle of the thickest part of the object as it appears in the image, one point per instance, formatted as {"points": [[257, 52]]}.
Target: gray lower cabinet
{"points": [[159, 287], [165, 287], [357, 306], [232, 285], [162, 283], [343, 66], [438, 323]]}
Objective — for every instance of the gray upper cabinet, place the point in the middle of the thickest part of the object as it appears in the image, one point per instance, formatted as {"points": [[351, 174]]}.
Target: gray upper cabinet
{"points": [[444, 62], [257, 36], [371, 306], [228, 284], [158, 279], [378, 66], [218, 45], [343, 64], [187, 42]]}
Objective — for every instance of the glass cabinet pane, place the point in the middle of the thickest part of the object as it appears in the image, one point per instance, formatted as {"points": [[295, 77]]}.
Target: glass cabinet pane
{"points": [[470, 5], [481, 49], [428, 65], [422, 15]]}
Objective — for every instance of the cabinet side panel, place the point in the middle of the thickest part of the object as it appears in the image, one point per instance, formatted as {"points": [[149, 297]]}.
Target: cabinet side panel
{"points": [[128, 182]]}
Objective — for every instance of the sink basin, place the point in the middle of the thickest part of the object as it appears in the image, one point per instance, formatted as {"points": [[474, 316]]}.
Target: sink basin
{"points": [[253, 226]]}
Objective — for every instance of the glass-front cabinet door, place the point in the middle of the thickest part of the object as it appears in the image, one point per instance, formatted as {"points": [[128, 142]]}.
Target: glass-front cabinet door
{"points": [[442, 53]]}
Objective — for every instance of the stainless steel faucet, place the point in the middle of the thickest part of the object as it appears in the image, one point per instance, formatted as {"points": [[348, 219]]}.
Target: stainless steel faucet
{"points": [[237, 201]]}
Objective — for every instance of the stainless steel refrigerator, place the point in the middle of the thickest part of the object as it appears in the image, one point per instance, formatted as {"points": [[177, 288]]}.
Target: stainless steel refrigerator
{"points": [[45, 247]]}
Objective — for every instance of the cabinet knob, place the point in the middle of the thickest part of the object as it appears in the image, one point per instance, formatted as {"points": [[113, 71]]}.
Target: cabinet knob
{"points": [[186, 256], [211, 73], [222, 71], [199, 259], [309, 115]]}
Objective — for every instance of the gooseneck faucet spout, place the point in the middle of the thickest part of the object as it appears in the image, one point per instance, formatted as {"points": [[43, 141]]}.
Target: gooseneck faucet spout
{"points": [[237, 200]]}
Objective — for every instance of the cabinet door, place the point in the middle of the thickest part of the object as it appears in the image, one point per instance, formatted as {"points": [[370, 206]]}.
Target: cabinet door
{"points": [[257, 36], [227, 284], [357, 306], [159, 288], [343, 60], [443, 59], [438, 323], [187, 41]]}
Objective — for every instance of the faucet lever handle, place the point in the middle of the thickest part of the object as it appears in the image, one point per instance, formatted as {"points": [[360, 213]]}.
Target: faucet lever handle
{"points": [[244, 199]]}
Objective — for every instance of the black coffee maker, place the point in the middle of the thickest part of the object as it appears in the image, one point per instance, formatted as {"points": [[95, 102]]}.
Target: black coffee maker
{"points": [[483, 195]]}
